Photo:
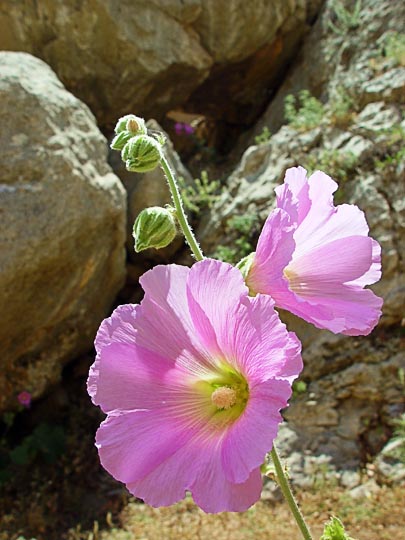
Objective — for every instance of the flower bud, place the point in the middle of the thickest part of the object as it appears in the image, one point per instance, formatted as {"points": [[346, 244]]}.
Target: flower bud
{"points": [[141, 153], [131, 123], [155, 227]]}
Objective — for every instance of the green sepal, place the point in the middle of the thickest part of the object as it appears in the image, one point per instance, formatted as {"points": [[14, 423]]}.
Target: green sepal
{"points": [[120, 140], [245, 264], [135, 125]]}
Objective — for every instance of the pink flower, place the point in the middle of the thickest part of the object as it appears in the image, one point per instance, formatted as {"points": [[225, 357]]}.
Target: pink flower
{"points": [[192, 381], [24, 399], [315, 259]]}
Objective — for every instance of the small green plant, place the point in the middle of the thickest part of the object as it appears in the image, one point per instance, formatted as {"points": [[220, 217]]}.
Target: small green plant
{"points": [[244, 227], [394, 48], [339, 165], [299, 388], [334, 530], [203, 194], [264, 136], [393, 149], [398, 449], [305, 113], [341, 107], [346, 20], [46, 442]]}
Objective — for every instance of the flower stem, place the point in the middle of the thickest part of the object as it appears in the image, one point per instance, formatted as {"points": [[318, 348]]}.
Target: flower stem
{"points": [[288, 495], [181, 215]]}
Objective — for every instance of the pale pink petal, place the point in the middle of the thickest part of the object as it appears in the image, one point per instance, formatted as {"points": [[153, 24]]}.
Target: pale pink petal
{"points": [[293, 195], [274, 251], [197, 467], [133, 444], [214, 493], [215, 290], [352, 311], [117, 328], [129, 377], [249, 439], [338, 261], [166, 326], [373, 274], [259, 344], [326, 223]]}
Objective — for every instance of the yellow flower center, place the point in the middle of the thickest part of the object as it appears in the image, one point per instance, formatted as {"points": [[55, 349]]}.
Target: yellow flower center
{"points": [[224, 397]]}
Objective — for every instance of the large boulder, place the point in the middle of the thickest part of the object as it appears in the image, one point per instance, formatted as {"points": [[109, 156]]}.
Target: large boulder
{"points": [[148, 57], [63, 216]]}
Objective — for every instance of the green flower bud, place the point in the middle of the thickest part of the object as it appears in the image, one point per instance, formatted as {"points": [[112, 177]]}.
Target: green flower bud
{"points": [[131, 123], [141, 153], [155, 227], [120, 140], [334, 530]]}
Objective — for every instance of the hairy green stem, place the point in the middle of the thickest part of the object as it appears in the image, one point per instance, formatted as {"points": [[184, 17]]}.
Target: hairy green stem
{"points": [[288, 495], [181, 215]]}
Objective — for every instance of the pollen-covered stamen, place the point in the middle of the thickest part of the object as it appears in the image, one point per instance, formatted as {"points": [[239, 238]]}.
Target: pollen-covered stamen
{"points": [[224, 397]]}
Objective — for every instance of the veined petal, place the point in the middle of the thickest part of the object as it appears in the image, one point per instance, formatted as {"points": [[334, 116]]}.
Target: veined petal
{"points": [[274, 251], [259, 343], [339, 261], [249, 439], [128, 377], [293, 195], [165, 323], [215, 290]]}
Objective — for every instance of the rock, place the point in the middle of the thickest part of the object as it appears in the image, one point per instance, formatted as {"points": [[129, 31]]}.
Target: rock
{"points": [[149, 57], [364, 491], [63, 221]]}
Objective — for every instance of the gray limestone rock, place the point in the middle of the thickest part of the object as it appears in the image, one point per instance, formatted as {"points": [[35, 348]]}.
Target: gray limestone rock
{"points": [[62, 236]]}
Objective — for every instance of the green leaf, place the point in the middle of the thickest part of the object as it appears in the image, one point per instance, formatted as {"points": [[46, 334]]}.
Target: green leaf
{"points": [[334, 530]]}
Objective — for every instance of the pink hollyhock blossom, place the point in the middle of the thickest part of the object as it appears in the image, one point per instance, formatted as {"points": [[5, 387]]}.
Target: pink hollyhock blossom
{"points": [[192, 381], [315, 259]]}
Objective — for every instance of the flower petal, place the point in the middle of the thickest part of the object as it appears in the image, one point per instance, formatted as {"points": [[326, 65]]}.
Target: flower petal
{"points": [[260, 344], [293, 195], [339, 261], [215, 290], [129, 377], [274, 251], [252, 435], [351, 311], [325, 222], [133, 444], [165, 324]]}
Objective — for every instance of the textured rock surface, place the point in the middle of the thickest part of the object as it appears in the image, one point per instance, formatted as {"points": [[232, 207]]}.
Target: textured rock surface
{"points": [[353, 384], [149, 56], [63, 227]]}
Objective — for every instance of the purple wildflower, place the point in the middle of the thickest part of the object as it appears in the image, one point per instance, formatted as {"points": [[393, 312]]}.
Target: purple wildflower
{"points": [[315, 259], [24, 399], [192, 381], [183, 129]]}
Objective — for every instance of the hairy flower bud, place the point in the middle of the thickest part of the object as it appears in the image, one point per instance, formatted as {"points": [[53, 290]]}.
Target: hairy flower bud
{"points": [[155, 227], [141, 153], [131, 123]]}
